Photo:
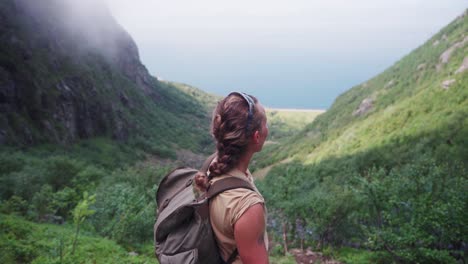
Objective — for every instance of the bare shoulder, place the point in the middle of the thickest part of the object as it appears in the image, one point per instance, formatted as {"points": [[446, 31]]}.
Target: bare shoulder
{"points": [[249, 232]]}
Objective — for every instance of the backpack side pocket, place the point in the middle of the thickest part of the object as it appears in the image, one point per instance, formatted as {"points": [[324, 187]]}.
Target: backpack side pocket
{"points": [[187, 257]]}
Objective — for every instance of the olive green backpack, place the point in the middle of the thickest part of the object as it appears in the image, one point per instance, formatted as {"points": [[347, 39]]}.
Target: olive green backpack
{"points": [[182, 232]]}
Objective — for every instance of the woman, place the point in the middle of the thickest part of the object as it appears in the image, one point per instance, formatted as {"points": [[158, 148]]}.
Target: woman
{"points": [[238, 216]]}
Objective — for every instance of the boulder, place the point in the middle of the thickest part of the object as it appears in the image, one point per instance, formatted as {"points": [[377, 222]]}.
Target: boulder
{"points": [[445, 56], [447, 83], [389, 84], [365, 106], [463, 66]]}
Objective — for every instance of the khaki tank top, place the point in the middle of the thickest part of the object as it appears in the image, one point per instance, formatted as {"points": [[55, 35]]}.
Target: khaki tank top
{"points": [[227, 207]]}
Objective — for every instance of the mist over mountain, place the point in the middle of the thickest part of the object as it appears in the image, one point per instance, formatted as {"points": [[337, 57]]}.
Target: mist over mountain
{"points": [[69, 72]]}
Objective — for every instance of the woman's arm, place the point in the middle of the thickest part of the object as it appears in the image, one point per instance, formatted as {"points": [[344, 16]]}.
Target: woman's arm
{"points": [[249, 231]]}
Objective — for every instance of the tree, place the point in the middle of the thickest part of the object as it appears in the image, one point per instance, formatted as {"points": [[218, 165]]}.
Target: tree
{"points": [[80, 213]]}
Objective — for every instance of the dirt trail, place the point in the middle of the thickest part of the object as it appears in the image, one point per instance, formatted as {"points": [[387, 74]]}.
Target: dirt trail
{"points": [[261, 173]]}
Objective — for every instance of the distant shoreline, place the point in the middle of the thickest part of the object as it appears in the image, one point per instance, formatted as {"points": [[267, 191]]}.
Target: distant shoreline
{"points": [[295, 110]]}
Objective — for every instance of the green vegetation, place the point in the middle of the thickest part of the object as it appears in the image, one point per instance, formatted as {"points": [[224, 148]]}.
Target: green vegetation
{"points": [[22, 241], [392, 178], [282, 260], [80, 213], [284, 123], [355, 256], [208, 101], [53, 187]]}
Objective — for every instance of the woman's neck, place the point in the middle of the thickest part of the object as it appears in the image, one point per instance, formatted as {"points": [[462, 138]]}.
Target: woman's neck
{"points": [[244, 161]]}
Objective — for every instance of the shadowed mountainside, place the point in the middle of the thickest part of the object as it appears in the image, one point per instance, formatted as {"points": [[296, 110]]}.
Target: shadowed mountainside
{"points": [[68, 71]]}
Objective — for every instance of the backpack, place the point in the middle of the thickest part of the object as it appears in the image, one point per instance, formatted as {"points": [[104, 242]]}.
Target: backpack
{"points": [[182, 232]]}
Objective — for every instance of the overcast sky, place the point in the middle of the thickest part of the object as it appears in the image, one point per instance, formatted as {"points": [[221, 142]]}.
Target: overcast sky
{"points": [[290, 54]]}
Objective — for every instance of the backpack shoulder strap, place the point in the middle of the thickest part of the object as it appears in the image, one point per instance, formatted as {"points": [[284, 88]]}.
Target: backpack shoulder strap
{"points": [[226, 184], [232, 257]]}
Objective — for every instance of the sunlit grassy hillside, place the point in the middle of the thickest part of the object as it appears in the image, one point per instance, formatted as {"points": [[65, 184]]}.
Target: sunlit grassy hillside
{"points": [[285, 123], [385, 168], [407, 99]]}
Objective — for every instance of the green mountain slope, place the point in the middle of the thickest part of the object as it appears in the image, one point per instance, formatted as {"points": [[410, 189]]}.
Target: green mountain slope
{"points": [[389, 155], [79, 113], [68, 71], [406, 99]]}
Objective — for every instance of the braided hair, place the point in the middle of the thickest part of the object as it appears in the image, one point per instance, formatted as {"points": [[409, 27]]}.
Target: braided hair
{"points": [[232, 126], [235, 119]]}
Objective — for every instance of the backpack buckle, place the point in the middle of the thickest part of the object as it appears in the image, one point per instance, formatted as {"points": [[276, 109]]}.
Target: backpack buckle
{"points": [[165, 203], [189, 182]]}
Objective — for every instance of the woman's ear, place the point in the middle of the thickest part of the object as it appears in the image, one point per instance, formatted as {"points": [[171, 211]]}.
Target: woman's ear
{"points": [[256, 137]]}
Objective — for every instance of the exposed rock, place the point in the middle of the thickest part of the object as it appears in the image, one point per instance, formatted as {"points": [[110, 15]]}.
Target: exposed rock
{"points": [[313, 134], [124, 99], [2, 137], [365, 106], [65, 112], [421, 66], [129, 62], [53, 219], [27, 135], [121, 128], [435, 43], [295, 251], [463, 66], [389, 84], [133, 254], [447, 83], [7, 87], [462, 16], [50, 130], [445, 56]]}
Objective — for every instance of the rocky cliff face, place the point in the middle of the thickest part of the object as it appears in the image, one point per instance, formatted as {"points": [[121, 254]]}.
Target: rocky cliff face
{"points": [[69, 71]]}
